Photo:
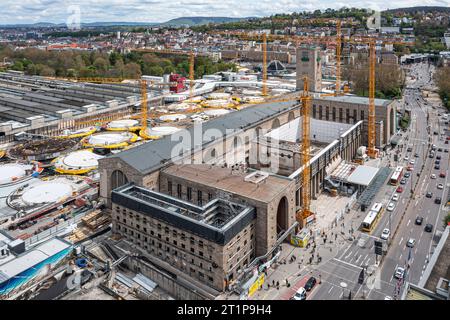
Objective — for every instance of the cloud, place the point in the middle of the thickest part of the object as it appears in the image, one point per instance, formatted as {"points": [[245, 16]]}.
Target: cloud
{"points": [[31, 11]]}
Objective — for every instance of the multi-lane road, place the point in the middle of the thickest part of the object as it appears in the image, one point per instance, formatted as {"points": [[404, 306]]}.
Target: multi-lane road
{"points": [[340, 275]]}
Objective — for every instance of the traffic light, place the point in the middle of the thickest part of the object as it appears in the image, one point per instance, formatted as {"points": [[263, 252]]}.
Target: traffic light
{"points": [[378, 247]]}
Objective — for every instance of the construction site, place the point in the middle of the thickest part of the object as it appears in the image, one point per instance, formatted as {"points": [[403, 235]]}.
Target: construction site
{"points": [[87, 169]]}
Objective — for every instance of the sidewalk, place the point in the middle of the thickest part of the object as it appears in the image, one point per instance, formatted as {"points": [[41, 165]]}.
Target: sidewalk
{"points": [[297, 272]]}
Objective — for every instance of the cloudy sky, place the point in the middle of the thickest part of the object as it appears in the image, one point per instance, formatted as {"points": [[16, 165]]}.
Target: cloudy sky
{"points": [[62, 11]]}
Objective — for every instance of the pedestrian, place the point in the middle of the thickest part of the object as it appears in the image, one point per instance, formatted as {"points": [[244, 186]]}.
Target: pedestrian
{"points": [[273, 283]]}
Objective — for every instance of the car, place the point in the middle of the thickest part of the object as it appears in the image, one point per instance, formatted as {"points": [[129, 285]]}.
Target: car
{"points": [[446, 150], [411, 243], [388, 298], [419, 221], [385, 234], [410, 168], [438, 157], [416, 155], [433, 147], [440, 186], [406, 158], [446, 141], [437, 161], [390, 207], [395, 197], [403, 181], [407, 175], [310, 284], [409, 149], [428, 227], [399, 273], [412, 162], [439, 149], [436, 167], [431, 155], [442, 175], [300, 294], [399, 189], [433, 176], [429, 194], [437, 200]]}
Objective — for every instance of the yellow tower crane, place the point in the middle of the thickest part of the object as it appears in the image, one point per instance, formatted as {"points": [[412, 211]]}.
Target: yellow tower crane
{"points": [[372, 151], [306, 146]]}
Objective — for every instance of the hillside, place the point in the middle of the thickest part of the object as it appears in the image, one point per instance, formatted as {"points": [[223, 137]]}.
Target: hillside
{"points": [[196, 21]]}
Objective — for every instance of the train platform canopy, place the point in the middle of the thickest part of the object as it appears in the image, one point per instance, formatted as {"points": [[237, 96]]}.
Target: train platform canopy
{"points": [[362, 175]]}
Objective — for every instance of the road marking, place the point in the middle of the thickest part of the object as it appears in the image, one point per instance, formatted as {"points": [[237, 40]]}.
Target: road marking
{"points": [[347, 263], [399, 258], [400, 241], [346, 257], [408, 222], [329, 291]]}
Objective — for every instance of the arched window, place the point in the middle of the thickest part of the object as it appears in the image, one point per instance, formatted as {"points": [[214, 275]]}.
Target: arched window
{"points": [[118, 178]]}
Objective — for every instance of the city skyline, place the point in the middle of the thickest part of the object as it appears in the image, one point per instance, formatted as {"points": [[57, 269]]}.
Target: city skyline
{"points": [[156, 11]]}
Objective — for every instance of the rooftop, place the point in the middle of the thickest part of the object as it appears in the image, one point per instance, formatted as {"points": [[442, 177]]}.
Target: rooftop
{"points": [[355, 99], [153, 154], [31, 258], [230, 181], [218, 221]]}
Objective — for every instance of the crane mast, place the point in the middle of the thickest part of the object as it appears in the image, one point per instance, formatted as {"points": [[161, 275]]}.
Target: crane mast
{"points": [[371, 152], [306, 144]]}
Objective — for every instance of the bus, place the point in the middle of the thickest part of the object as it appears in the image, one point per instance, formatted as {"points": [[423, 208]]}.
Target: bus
{"points": [[372, 217], [396, 176]]}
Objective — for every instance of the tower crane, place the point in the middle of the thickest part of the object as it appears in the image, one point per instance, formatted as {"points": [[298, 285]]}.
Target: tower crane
{"points": [[372, 152], [305, 99]]}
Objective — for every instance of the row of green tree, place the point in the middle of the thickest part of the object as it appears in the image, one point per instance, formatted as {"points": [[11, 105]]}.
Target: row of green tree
{"points": [[279, 21], [389, 78], [97, 64], [442, 78]]}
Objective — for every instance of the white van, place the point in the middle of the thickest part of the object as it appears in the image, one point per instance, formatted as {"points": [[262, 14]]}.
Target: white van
{"points": [[300, 294]]}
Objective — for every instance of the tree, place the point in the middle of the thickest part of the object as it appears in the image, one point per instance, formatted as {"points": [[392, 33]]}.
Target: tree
{"points": [[18, 66], [46, 71], [447, 220], [442, 78], [101, 64], [132, 70], [155, 71]]}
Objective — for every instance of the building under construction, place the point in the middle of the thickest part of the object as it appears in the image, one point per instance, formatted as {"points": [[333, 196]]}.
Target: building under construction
{"points": [[224, 167], [38, 105]]}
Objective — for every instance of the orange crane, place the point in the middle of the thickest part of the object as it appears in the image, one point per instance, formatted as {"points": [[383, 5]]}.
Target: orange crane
{"points": [[372, 152], [306, 157]]}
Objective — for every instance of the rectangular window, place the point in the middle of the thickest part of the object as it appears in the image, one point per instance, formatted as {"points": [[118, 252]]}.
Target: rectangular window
{"points": [[320, 112], [314, 110], [327, 113], [362, 115], [179, 190], [189, 193], [169, 187], [355, 116], [341, 118], [210, 197], [347, 115], [334, 113], [199, 198]]}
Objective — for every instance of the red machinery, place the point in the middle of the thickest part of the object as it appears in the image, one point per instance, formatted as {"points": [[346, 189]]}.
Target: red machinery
{"points": [[178, 83]]}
